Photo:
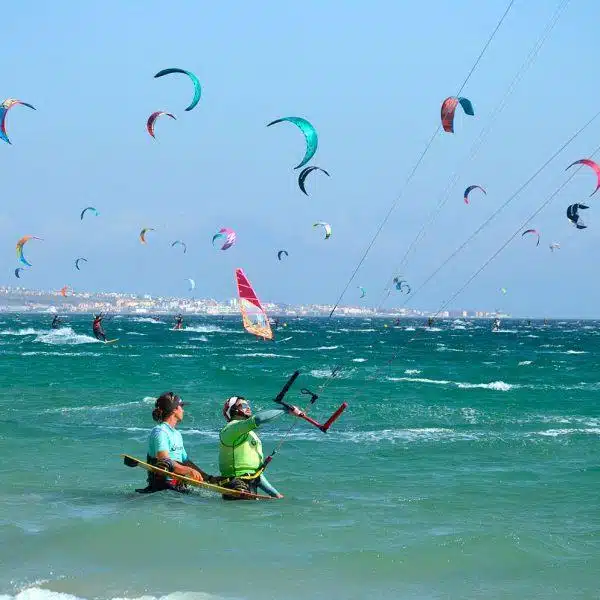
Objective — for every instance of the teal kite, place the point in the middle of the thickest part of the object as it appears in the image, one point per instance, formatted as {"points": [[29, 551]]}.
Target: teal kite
{"points": [[310, 134], [197, 87]]}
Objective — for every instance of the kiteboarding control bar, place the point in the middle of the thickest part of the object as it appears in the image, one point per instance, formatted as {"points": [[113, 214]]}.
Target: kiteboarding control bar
{"points": [[322, 426]]}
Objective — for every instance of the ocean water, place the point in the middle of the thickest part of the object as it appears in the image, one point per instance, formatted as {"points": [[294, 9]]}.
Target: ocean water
{"points": [[466, 466]]}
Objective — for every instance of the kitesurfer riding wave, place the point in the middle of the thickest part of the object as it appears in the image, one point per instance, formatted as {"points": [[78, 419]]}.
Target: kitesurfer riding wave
{"points": [[56, 322], [241, 458], [178, 322], [97, 328], [166, 450]]}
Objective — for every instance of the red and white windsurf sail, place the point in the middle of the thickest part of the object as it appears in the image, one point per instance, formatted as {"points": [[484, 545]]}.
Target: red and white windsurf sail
{"points": [[254, 316]]}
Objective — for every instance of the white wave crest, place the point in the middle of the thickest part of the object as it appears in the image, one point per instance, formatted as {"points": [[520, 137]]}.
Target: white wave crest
{"points": [[27, 331], [36, 593], [265, 355], [499, 386], [65, 335]]}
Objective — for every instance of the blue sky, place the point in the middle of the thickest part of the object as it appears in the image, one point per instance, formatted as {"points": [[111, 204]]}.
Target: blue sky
{"points": [[369, 76]]}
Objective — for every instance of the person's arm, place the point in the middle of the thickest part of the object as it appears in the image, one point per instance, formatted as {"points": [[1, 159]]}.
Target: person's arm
{"points": [[264, 485], [178, 468]]}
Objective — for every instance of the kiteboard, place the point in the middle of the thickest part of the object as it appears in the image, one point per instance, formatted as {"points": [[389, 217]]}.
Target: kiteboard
{"points": [[111, 341], [130, 461]]}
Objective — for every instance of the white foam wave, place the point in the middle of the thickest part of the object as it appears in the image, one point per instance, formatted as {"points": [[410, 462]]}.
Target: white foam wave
{"points": [[207, 329], [27, 331], [326, 373], [36, 593], [523, 363], [499, 386], [61, 353], [574, 352], [133, 332], [359, 360], [65, 335], [265, 355], [147, 320], [412, 372], [327, 348], [177, 356], [202, 338], [560, 432]]}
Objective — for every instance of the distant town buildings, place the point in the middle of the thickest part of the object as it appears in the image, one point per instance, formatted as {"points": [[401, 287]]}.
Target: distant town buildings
{"points": [[17, 299]]}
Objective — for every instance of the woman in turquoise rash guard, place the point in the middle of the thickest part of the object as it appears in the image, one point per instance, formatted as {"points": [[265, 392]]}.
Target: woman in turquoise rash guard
{"points": [[240, 449], [165, 447]]}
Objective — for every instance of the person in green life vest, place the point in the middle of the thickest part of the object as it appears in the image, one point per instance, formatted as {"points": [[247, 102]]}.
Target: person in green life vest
{"points": [[165, 447], [240, 449]]}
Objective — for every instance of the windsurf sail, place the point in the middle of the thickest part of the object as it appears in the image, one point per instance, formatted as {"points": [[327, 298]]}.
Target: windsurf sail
{"points": [[254, 316]]}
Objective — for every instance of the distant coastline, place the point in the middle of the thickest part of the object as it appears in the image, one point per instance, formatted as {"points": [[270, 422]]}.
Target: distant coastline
{"points": [[21, 300]]}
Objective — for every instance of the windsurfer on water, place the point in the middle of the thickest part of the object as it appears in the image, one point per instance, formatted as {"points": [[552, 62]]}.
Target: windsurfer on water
{"points": [[241, 457], [97, 328]]}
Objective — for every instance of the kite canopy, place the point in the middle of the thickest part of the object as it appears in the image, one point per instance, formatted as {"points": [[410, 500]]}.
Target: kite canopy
{"points": [[554, 246], [143, 234], [470, 189], [281, 253], [304, 174], [226, 234], [4, 108], [17, 271], [363, 292], [310, 135], [254, 317], [20, 245], [180, 243], [326, 226], [152, 118], [78, 260], [402, 285], [535, 232], [593, 165], [85, 210], [449, 108], [192, 284], [573, 215], [195, 81]]}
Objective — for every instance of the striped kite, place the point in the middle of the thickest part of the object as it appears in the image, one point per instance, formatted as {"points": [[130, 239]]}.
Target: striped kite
{"points": [[4, 108], [449, 108]]}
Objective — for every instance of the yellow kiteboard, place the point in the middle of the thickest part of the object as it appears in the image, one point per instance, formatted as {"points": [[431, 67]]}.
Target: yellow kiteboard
{"points": [[135, 462]]}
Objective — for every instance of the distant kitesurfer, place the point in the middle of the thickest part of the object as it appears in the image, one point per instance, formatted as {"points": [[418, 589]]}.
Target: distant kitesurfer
{"points": [[166, 450], [529, 322], [241, 458], [275, 322], [178, 322], [97, 328], [496, 325], [56, 322], [429, 321], [397, 322]]}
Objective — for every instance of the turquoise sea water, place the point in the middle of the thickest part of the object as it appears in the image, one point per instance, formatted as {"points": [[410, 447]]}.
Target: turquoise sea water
{"points": [[466, 465]]}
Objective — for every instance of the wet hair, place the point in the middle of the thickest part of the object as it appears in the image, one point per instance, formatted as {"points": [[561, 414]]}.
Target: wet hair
{"points": [[166, 404]]}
